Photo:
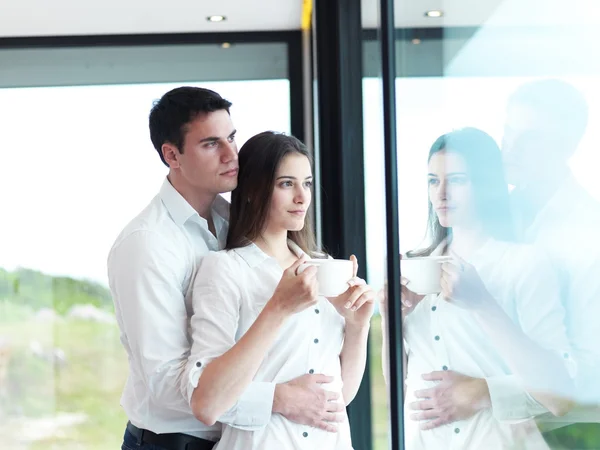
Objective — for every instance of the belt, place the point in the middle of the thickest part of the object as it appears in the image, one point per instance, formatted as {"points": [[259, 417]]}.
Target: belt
{"points": [[170, 441]]}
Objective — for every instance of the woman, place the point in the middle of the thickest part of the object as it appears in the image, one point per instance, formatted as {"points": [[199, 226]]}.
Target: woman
{"points": [[257, 319], [497, 325]]}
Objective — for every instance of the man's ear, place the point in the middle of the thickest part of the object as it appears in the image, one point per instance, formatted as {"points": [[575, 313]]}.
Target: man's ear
{"points": [[171, 155]]}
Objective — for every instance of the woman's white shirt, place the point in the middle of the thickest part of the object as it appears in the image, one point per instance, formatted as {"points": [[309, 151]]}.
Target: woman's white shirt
{"points": [[442, 336], [230, 290]]}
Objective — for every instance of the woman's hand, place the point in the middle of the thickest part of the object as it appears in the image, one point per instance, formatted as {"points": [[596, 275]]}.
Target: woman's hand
{"points": [[295, 292], [462, 285], [408, 299], [357, 304]]}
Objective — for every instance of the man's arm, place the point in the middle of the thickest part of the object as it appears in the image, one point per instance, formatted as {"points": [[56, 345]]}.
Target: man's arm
{"points": [[533, 350], [220, 370], [151, 313]]}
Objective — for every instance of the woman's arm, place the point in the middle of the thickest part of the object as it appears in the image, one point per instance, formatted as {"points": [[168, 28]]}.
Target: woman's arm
{"points": [[353, 359], [229, 367], [532, 347], [409, 300]]}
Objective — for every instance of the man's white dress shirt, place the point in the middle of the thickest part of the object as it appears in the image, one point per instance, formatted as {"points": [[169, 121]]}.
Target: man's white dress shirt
{"points": [[150, 269], [440, 335], [230, 290], [566, 230]]}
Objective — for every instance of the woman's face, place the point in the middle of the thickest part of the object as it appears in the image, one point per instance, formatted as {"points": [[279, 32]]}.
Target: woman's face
{"points": [[450, 189], [292, 194]]}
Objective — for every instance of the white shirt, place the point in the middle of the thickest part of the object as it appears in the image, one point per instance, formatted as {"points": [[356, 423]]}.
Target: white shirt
{"points": [[230, 290], [566, 229], [442, 336], [150, 270]]}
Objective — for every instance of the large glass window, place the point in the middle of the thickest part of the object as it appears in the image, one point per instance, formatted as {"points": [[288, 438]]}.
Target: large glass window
{"points": [[78, 165], [496, 148]]}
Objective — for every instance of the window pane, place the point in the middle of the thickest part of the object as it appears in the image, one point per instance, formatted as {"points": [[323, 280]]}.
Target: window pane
{"points": [[78, 165], [496, 158]]}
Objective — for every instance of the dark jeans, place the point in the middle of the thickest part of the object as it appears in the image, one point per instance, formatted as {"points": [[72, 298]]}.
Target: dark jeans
{"points": [[130, 442]]}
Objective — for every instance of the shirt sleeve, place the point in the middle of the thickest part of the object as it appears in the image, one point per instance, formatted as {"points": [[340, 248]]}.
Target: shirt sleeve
{"points": [[541, 316], [147, 292], [540, 312], [510, 401], [216, 303]]}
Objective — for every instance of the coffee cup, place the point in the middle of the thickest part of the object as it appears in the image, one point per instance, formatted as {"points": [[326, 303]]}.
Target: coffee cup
{"points": [[423, 273], [332, 275]]}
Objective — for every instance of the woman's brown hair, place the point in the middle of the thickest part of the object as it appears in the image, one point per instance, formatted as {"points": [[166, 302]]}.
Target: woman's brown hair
{"points": [[259, 159], [484, 164]]}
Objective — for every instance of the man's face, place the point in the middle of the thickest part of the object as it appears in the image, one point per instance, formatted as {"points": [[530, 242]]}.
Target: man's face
{"points": [[209, 161], [531, 147], [520, 144]]}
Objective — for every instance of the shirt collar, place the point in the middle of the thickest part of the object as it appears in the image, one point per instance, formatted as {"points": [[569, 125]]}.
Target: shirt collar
{"points": [[181, 211], [559, 206], [254, 256]]}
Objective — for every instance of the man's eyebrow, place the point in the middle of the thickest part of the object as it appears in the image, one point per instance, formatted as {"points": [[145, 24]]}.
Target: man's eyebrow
{"points": [[216, 138]]}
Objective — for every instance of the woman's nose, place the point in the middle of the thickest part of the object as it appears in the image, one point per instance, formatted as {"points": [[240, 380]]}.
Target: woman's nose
{"points": [[442, 191]]}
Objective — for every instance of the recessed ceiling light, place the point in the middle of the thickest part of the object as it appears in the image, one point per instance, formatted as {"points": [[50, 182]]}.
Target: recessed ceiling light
{"points": [[434, 13], [225, 45], [216, 18], [416, 41]]}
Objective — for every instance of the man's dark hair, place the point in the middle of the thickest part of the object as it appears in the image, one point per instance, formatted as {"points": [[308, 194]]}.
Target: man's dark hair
{"points": [[171, 114], [562, 105]]}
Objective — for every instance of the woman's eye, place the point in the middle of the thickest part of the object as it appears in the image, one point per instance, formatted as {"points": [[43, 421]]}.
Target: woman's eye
{"points": [[432, 181], [286, 184], [458, 180], [308, 184]]}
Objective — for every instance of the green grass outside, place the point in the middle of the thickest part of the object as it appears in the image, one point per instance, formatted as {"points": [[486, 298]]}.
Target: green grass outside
{"points": [[92, 380]]}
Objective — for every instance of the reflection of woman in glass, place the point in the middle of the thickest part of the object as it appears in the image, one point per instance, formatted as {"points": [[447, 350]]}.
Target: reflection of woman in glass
{"points": [[492, 345], [257, 319]]}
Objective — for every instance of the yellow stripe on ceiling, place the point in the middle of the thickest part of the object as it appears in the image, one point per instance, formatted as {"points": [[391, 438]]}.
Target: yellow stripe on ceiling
{"points": [[307, 6]]}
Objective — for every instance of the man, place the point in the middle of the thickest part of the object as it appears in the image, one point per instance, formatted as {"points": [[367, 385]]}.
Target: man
{"points": [[150, 269], [545, 123]]}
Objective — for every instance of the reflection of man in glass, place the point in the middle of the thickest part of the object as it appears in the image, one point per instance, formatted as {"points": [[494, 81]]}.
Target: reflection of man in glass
{"points": [[545, 123]]}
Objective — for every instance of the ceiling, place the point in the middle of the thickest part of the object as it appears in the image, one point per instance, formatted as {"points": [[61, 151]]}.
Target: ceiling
{"points": [[90, 17]]}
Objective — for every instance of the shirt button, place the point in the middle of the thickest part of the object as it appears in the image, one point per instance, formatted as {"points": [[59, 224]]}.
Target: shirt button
{"points": [[198, 364], [437, 338], [311, 371], [433, 308], [317, 311], [316, 341], [445, 367], [305, 434], [457, 430]]}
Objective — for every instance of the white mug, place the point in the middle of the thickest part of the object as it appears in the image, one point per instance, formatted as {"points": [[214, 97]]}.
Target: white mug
{"points": [[332, 275], [423, 273]]}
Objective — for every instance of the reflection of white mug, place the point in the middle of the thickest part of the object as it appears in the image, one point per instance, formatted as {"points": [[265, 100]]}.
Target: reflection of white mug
{"points": [[332, 275], [423, 273]]}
